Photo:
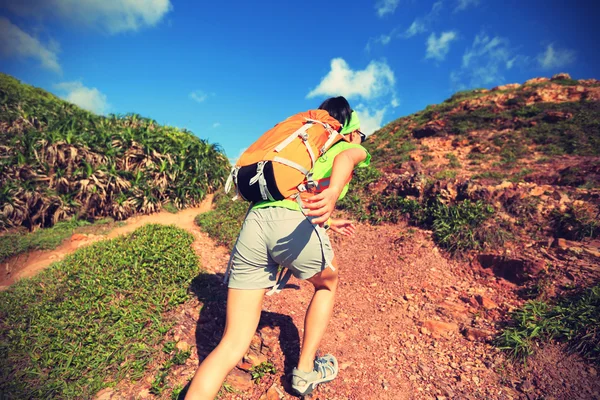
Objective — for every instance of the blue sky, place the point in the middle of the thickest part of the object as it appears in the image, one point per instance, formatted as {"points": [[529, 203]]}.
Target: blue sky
{"points": [[228, 71]]}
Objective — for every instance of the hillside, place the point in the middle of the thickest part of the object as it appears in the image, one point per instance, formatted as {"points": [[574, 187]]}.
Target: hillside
{"points": [[524, 159], [58, 161]]}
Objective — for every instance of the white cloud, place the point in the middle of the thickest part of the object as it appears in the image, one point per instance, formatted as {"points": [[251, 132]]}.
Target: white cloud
{"points": [[17, 43], [484, 63], [374, 81], [216, 125], [110, 16], [555, 58], [198, 96], [464, 4], [418, 26], [438, 48], [370, 119], [90, 99], [385, 7]]}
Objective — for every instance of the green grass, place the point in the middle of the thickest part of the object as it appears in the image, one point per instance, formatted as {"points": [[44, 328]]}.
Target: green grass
{"points": [[452, 160], [446, 174], [224, 222], [170, 207], [96, 317], [574, 319], [159, 384], [42, 239], [260, 371], [579, 135]]}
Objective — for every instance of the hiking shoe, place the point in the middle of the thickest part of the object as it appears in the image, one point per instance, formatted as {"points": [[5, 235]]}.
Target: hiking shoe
{"points": [[326, 369]]}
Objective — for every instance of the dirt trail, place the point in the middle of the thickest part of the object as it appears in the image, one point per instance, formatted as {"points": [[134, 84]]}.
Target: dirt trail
{"points": [[31, 263]]}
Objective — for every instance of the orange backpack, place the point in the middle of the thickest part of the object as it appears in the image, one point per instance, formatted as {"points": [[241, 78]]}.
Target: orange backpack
{"points": [[278, 165]]}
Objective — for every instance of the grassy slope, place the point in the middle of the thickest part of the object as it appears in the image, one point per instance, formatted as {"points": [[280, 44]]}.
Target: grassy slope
{"points": [[95, 317]]}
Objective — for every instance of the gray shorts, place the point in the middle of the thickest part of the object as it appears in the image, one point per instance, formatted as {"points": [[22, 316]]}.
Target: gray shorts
{"points": [[275, 236]]}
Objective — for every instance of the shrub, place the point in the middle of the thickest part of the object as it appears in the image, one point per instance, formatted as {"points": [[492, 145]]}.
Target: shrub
{"points": [[574, 319], [453, 160], [460, 227]]}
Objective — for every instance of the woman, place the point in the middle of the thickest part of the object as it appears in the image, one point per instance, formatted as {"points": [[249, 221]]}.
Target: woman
{"points": [[281, 233]]}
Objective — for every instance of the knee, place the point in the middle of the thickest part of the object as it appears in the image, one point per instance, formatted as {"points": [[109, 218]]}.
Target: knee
{"points": [[325, 280]]}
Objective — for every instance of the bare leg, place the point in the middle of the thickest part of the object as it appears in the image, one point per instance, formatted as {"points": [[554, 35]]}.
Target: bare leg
{"points": [[318, 315], [243, 314]]}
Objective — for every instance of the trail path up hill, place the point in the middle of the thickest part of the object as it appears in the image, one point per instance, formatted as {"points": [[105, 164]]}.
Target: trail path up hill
{"points": [[409, 323]]}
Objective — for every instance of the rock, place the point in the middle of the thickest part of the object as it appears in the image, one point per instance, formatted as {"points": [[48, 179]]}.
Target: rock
{"points": [[474, 334], [240, 380], [560, 76], [507, 87], [254, 359], [556, 116], [439, 327], [535, 81], [274, 393], [183, 345], [104, 394], [517, 270], [432, 128], [486, 302]]}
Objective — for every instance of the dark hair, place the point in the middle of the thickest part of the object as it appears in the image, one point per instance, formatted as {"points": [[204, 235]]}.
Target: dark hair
{"points": [[338, 108]]}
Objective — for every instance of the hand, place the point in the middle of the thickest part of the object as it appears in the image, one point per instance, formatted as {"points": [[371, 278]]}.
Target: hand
{"points": [[322, 205], [343, 227]]}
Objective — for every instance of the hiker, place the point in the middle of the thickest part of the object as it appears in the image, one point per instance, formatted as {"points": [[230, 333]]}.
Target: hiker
{"points": [[281, 233]]}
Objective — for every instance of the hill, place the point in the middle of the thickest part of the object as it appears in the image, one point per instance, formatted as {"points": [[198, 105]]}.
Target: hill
{"points": [[58, 161]]}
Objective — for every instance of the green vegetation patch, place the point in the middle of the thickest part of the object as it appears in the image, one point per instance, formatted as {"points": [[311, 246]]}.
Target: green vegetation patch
{"points": [[458, 228], [579, 134], [223, 224], [574, 319], [95, 317]]}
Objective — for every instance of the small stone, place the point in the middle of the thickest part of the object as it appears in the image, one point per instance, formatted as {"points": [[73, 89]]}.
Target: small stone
{"points": [[592, 371], [439, 327], [240, 380], [486, 302], [255, 359], [424, 331], [274, 393], [473, 334], [183, 345], [409, 296]]}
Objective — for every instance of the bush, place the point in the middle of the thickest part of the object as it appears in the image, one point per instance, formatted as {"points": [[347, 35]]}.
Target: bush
{"points": [[95, 317], [459, 228], [574, 319]]}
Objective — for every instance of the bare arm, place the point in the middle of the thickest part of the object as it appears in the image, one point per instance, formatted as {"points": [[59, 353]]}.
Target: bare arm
{"points": [[322, 204]]}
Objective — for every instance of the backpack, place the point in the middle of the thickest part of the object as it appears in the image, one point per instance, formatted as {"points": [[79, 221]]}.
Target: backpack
{"points": [[278, 165]]}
